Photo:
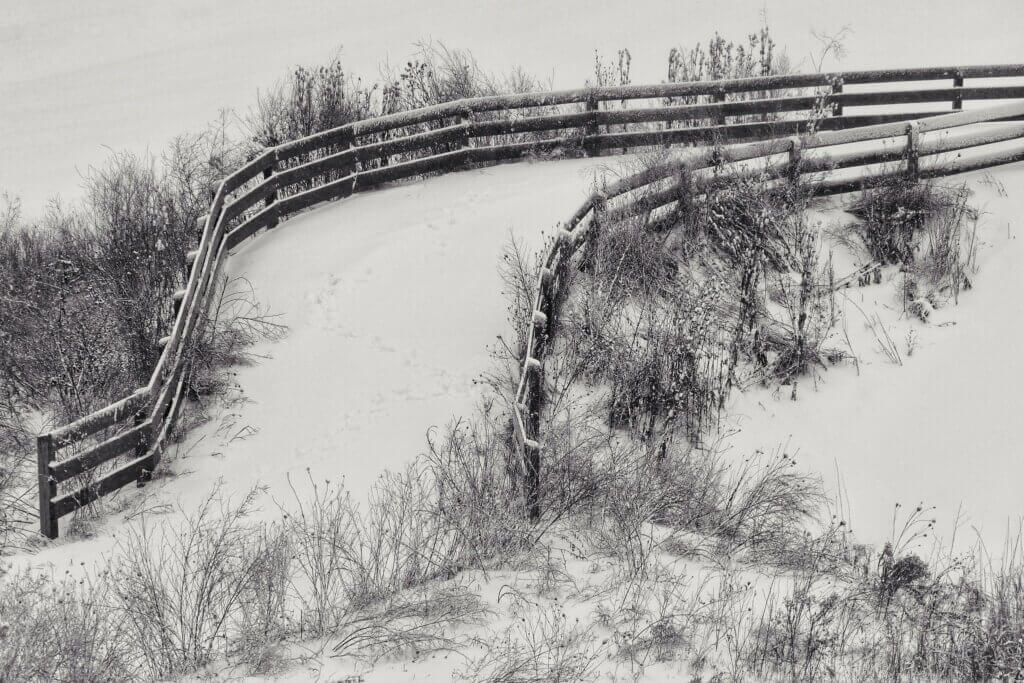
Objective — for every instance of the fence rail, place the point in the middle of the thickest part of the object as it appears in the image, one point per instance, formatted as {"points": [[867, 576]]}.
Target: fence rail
{"points": [[290, 177]]}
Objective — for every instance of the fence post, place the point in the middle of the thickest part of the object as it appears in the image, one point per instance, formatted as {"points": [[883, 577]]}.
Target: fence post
{"points": [[719, 99], [593, 235], [268, 173], [146, 473], [913, 161], [531, 445], [837, 89], [795, 153], [47, 486], [463, 119], [345, 143], [200, 227], [958, 98], [591, 128]]}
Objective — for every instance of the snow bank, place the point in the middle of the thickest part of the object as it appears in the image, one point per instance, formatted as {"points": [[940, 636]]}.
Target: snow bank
{"points": [[944, 427]]}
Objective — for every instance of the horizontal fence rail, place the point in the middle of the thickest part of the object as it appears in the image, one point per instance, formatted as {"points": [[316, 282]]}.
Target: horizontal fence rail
{"points": [[795, 132]]}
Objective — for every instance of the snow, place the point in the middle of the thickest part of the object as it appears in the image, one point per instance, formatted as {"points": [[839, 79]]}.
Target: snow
{"points": [[943, 428], [392, 299], [79, 78]]}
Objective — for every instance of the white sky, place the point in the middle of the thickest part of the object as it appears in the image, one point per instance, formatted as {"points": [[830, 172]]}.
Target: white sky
{"points": [[77, 78]]}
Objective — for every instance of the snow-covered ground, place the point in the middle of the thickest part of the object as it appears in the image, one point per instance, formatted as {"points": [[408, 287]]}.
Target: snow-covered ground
{"points": [[392, 299], [943, 428]]}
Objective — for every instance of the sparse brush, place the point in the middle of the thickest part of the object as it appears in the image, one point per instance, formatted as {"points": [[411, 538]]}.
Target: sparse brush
{"points": [[543, 644], [519, 271], [806, 295], [63, 630], [452, 510], [310, 100], [436, 74], [893, 215], [652, 616], [744, 218], [948, 253], [262, 620], [930, 230], [234, 323], [723, 59], [766, 503], [178, 589], [415, 623]]}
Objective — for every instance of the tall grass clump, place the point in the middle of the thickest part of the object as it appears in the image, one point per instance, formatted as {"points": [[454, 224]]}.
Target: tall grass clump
{"points": [[756, 56], [310, 100], [929, 230]]}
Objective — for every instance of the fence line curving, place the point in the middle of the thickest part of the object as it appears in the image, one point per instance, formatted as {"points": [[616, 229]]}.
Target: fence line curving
{"points": [[283, 180]]}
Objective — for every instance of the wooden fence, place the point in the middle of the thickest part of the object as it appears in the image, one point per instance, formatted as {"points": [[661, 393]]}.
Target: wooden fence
{"points": [[286, 179]]}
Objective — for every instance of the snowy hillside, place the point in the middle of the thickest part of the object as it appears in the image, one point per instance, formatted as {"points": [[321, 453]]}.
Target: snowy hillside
{"points": [[760, 433], [942, 428], [393, 300]]}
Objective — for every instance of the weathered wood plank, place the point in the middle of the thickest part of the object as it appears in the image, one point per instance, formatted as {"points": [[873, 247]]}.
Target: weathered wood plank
{"points": [[254, 196], [63, 470], [342, 187], [101, 419], [264, 219], [249, 171], [410, 143], [438, 162], [120, 477], [517, 150], [530, 124], [342, 161]]}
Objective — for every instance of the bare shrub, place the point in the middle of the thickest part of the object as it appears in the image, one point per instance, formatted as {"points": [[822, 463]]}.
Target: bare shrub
{"points": [[892, 216], [416, 622], [948, 252], [62, 631], [262, 620], [452, 510], [651, 618], [233, 324], [722, 59], [310, 100], [543, 644], [436, 74], [647, 326], [806, 294], [178, 589]]}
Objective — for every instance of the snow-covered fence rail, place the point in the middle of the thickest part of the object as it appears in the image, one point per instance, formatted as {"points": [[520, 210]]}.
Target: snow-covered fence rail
{"points": [[295, 175]]}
